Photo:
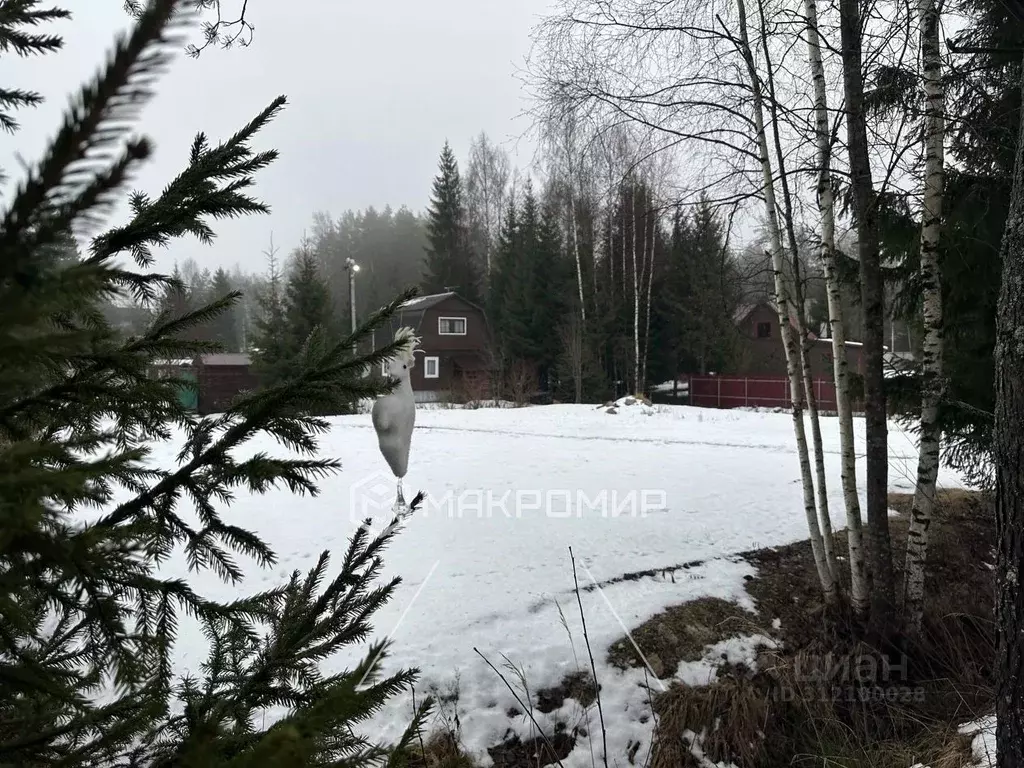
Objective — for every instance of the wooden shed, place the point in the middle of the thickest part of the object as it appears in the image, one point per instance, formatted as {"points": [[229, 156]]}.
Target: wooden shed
{"points": [[184, 370], [222, 377]]}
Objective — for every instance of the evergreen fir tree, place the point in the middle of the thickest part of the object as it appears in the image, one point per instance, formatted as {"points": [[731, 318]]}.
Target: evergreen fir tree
{"points": [[224, 330], [519, 279], [269, 356], [89, 620], [985, 95], [449, 261], [504, 264], [290, 313], [695, 307], [554, 293], [531, 286], [307, 302]]}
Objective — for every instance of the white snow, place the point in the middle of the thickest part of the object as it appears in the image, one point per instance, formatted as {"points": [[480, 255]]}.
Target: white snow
{"points": [[984, 743], [486, 562], [682, 387], [642, 407], [741, 649], [696, 742]]}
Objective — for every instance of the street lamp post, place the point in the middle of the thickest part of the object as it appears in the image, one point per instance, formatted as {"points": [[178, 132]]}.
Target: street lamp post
{"points": [[352, 267]]}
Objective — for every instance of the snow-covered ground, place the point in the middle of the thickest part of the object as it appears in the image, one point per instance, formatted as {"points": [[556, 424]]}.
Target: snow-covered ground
{"points": [[486, 562]]}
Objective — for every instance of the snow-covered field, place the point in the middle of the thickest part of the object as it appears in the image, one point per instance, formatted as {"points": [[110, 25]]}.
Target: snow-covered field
{"points": [[486, 562]]}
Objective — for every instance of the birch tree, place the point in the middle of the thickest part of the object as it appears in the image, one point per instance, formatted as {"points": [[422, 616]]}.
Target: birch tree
{"points": [[799, 313], [487, 182], [859, 595], [825, 572], [931, 353], [562, 140]]}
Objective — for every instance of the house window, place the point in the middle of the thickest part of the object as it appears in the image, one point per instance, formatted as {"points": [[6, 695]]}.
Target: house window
{"points": [[430, 368], [764, 330], [384, 369], [451, 326]]}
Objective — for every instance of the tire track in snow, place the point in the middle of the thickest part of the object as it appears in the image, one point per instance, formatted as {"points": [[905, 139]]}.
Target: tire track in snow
{"points": [[772, 447]]}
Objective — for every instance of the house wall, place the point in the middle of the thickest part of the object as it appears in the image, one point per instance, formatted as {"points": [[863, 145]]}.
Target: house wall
{"points": [[470, 352], [766, 356]]}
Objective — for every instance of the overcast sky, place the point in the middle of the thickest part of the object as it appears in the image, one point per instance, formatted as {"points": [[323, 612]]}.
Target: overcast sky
{"points": [[374, 89]]}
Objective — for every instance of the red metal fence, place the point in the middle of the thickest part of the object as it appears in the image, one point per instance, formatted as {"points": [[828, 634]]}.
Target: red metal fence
{"points": [[759, 392]]}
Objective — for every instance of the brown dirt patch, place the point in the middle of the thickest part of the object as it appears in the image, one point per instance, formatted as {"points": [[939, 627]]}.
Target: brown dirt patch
{"points": [[534, 753], [576, 685]]}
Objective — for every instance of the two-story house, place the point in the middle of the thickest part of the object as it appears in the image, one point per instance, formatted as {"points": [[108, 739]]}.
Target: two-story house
{"points": [[455, 355]]}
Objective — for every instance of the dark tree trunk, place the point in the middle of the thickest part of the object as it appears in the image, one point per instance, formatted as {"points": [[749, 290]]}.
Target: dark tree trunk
{"points": [[1009, 452], [883, 592]]}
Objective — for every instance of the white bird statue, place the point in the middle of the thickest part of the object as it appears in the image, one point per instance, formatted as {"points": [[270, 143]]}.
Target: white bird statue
{"points": [[394, 415]]}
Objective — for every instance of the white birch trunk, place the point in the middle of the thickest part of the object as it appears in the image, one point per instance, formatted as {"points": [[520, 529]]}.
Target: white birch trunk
{"points": [[828, 583], [576, 252], [859, 588], [636, 300], [819, 452], [799, 317], [931, 351], [647, 306], [570, 188]]}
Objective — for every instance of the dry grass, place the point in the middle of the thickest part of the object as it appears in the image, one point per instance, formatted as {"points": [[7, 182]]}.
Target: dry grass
{"points": [[441, 750], [681, 633], [738, 715], [780, 717]]}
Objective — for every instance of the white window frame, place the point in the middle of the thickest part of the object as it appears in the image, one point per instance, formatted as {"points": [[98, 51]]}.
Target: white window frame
{"points": [[426, 367], [441, 320], [384, 368]]}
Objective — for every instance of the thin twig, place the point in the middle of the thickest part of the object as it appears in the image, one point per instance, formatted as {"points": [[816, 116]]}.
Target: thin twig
{"points": [[593, 667], [654, 718], [519, 701], [419, 731]]}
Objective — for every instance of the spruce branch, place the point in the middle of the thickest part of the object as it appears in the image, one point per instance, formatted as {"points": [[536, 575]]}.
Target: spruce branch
{"points": [[50, 199], [15, 15]]}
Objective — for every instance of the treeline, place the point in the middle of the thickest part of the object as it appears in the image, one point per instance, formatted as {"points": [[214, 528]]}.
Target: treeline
{"points": [[589, 295]]}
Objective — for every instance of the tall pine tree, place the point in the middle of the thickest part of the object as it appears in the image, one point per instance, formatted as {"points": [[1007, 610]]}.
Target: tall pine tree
{"points": [[449, 260], [695, 307]]}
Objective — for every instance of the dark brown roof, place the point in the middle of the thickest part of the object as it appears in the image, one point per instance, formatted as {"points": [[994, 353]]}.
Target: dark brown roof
{"points": [[412, 318]]}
